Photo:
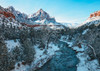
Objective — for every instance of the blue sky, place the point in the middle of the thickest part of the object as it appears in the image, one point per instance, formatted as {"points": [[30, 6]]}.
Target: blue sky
{"points": [[73, 11]]}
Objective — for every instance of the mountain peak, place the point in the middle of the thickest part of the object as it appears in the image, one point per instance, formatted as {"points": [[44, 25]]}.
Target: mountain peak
{"points": [[41, 10], [11, 8]]}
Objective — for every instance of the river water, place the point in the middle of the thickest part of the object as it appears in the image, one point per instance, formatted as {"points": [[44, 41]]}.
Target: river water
{"points": [[64, 60]]}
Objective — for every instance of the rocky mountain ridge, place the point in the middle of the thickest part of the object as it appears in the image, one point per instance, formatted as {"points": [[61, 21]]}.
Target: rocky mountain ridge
{"points": [[23, 18], [93, 17], [95, 14], [38, 19]]}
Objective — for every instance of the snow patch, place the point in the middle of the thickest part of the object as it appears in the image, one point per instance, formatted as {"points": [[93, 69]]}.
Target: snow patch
{"points": [[85, 31], [85, 64], [20, 67], [12, 44], [78, 49], [92, 19]]}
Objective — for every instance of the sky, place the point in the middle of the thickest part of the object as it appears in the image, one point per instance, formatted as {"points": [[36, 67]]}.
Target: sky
{"points": [[66, 11]]}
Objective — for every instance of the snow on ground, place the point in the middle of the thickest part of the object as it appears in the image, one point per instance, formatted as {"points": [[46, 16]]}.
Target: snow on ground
{"points": [[92, 19], [9, 23], [41, 58], [84, 64], [78, 49], [12, 44], [65, 39], [20, 67], [69, 43], [52, 49], [85, 31]]}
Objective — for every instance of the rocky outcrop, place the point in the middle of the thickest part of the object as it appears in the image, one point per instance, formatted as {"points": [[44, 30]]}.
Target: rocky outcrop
{"points": [[7, 14], [95, 14]]}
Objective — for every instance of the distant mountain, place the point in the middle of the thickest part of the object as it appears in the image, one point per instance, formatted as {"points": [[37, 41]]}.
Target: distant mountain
{"points": [[39, 18], [36, 18], [71, 25], [41, 15]]}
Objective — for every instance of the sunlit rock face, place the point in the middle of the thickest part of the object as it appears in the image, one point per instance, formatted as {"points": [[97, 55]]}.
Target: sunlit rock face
{"points": [[95, 14], [93, 17]]}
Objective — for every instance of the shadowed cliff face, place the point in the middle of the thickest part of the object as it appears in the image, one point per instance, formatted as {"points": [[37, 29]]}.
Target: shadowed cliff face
{"points": [[64, 60]]}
